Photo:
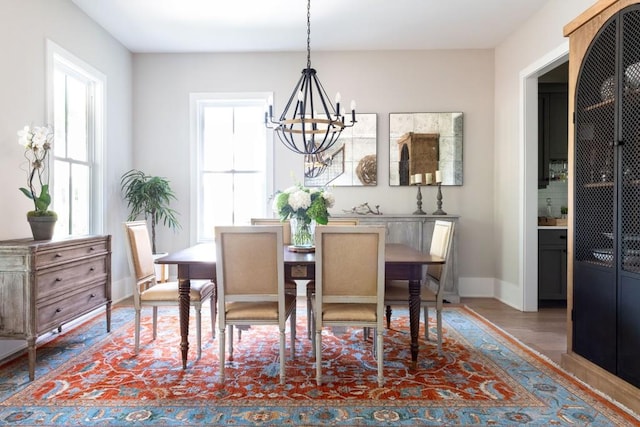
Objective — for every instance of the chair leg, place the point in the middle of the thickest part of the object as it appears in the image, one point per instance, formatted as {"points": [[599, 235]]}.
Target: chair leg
{"points": [[426, 322], [292, 324], [213, 318], [313, 335], [318, 350], [199, 330], [282, 353], [380, 356], [309, 316], [231, 342], [439, 330], [155, 322], [137, 332], [221, 339]]}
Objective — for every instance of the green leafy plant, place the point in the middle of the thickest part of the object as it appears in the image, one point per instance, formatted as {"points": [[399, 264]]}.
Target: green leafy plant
{"points": [[150, 197], [37, 142], [303, 204]]}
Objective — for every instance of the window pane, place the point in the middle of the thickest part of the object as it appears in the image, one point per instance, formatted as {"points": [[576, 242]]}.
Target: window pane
{"points": [[248, 197], [61, 197], [218, 139], [249, 138], [59, 127], [80, 199], [216, 197], [76, 119]]}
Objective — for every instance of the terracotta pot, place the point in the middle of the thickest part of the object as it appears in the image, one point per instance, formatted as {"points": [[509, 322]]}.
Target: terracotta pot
{"points": [[42, 226]]}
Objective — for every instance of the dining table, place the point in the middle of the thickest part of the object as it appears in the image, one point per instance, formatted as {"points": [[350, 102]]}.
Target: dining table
{"points": [[402, 262]]}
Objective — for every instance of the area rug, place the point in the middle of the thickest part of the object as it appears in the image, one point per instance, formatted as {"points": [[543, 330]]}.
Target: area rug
{"points": [[484, 376]]}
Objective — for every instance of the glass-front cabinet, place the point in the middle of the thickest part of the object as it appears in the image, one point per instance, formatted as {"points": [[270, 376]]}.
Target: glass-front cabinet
{"points": [[606, 230]]}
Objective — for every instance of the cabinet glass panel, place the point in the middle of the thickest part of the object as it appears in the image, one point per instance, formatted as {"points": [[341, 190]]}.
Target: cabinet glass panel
{"points": [[630, 149], [595, 133]]}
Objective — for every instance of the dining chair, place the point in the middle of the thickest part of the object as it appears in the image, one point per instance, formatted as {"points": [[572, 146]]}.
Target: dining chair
{"points": [[349, 285], [431, 293], [250, 283], [148, 292], [311, 284]]}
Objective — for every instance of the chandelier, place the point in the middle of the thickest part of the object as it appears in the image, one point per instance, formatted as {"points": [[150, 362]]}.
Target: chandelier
{"points": [[309, 124]]}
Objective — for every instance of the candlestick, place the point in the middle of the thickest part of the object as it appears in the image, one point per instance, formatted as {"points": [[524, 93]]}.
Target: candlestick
{"points": [[439, 211], [419, 211]]}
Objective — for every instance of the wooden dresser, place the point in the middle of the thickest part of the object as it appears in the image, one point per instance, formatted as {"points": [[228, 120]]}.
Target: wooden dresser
{"points": [[44, 284]]}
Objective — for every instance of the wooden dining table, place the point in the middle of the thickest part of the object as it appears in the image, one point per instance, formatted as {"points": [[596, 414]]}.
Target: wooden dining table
{"points": [[402, 262]]}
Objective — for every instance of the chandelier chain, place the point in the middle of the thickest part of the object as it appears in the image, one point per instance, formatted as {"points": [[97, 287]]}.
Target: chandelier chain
{"points": [[308, 33]]}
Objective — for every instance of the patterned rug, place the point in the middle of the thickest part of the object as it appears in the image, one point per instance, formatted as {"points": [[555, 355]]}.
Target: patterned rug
{"points": [[484, 377]]}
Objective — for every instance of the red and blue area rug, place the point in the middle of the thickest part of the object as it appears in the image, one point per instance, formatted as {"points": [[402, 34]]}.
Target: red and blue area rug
{"points": [[484, 376]]}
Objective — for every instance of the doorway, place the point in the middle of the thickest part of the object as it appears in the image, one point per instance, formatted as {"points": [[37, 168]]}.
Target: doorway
{"points": [[529, 159], [553, 118]]}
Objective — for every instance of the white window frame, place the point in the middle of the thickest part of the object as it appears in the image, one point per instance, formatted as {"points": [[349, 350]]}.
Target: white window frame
{"points": [[58, 57], [197, 102]]}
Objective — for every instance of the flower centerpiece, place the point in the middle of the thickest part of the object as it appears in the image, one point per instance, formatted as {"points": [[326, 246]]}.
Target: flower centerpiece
{"points": [[37, 142], [303, 207]]}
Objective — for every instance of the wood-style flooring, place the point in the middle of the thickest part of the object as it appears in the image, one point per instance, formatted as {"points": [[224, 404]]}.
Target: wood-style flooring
{"points": [[545, 330]]}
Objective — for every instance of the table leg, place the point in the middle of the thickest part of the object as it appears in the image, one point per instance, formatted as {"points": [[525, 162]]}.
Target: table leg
{"points": [[414, 319], [184, 288]]}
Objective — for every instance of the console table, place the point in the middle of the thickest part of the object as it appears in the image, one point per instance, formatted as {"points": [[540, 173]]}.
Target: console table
{"points": [[416, 231], [44, 284]]}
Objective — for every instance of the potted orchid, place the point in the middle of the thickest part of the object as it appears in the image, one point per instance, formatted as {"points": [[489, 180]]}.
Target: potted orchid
{"points": [[303, 207], [37, 142]]}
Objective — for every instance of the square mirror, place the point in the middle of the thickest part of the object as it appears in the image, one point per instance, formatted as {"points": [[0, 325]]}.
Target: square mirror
{"points": [[352, 161], [421, 143]]}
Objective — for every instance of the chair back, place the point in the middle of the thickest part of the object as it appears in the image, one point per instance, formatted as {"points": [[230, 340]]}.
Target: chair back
{"points": [[249, 264], [350, 264], [286, 227], [440, 246], [140, 257]]}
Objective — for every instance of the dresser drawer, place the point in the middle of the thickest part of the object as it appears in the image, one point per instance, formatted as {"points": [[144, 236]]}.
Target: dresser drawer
{"points": [[67, 253], [57, 280], [52, 315]]}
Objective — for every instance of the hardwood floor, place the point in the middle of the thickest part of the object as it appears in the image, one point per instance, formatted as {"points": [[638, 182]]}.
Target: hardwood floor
{"points": [[544, 330]]}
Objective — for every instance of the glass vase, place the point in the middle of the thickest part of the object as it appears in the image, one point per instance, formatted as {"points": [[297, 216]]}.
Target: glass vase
{"points": [[302, 233]]}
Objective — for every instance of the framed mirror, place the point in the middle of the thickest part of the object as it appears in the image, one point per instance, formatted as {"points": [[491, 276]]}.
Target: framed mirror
{"points": [[421, 143], [352, 161]]}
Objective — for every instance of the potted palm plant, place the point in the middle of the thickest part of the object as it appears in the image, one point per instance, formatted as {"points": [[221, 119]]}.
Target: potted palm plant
{"points": [[149, 197]]}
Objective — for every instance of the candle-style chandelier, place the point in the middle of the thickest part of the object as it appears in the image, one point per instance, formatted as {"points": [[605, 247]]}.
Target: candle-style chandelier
{"points": [[311, 124]]}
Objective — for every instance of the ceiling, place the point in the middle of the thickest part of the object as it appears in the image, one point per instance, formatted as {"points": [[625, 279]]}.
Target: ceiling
{"points": [[280, 25]]}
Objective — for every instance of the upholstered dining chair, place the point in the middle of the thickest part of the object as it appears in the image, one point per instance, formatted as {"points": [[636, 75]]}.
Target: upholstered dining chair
{"points": [[311, 284], [250, 283], [349, 285], [147, 292], [431, 293]]}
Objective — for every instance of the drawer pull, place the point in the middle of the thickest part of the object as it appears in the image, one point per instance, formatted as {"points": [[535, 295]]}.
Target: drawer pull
{"points": [[92, 269], [58, 279], [93, 295], [58, 255], [58, 310], [91, 249]]}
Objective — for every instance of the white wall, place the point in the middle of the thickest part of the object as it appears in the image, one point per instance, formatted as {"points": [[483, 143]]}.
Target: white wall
{"points": [[540, 35], [24, 27], [380, 82]]}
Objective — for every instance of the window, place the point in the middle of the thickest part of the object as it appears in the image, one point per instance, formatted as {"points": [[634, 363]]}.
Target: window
{"points": [[75, 108], [232, 155]]}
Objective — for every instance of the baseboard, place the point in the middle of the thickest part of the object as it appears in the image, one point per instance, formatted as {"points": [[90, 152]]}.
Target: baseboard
{"points": [[602, 380]]}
